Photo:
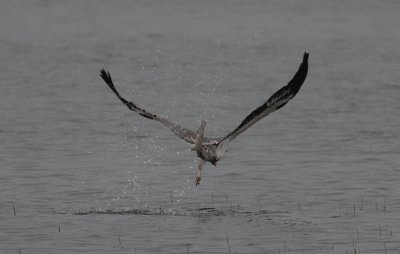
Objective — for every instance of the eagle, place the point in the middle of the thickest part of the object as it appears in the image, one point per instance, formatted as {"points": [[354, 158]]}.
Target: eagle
{"points": [[213, 149]]}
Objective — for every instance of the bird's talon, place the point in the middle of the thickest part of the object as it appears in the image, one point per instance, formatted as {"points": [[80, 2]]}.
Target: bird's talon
{"points": [[197, 181]]}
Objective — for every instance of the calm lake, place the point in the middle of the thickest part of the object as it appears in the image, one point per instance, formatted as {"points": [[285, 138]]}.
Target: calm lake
{"points": [[80, 173]]}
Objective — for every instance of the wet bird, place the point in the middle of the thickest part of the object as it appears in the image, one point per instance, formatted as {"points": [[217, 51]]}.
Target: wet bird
{"points": [[213, 149]]}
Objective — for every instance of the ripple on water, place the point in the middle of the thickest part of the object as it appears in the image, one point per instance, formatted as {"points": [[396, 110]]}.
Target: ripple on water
{"points": [[155, 211]]}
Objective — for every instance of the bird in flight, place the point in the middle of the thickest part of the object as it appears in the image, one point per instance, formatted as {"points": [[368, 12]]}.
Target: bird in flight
{"points": [[213, 149]]}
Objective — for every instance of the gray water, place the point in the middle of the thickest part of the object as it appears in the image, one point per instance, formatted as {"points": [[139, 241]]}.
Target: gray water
{"points": [[82, 174]]}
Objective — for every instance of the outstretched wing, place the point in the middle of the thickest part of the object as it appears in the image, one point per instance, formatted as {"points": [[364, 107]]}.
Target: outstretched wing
{"points": [[275, 102], [185, 134]]}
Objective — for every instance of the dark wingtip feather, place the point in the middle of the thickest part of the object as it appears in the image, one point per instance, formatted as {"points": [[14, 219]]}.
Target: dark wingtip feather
{"points": [[106, 76], [298, 79], [305, 57]]}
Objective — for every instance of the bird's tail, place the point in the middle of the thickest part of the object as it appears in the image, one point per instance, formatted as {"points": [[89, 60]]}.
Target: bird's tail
{"points": [[198, 142]]}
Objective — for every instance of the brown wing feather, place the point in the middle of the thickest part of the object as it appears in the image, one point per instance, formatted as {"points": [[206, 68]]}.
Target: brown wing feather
{"points": [[183, 133], [275, 102]]}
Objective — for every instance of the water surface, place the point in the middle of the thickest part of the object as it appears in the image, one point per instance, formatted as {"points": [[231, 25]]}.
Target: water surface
{"points": [[82, 174]]}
